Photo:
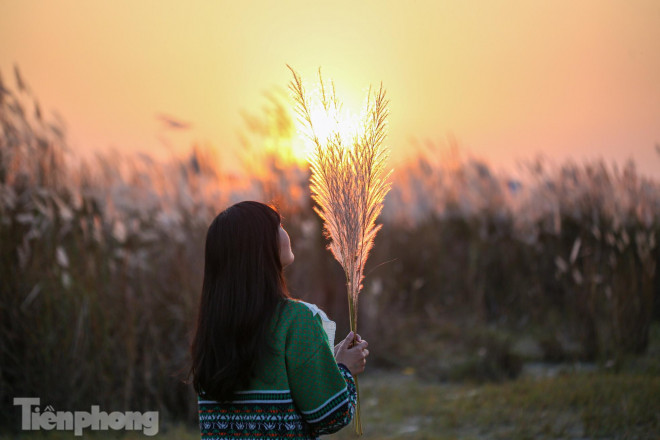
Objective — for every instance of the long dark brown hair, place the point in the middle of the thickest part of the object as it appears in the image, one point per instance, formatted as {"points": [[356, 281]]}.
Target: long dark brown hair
{"points": [[243, 284]]}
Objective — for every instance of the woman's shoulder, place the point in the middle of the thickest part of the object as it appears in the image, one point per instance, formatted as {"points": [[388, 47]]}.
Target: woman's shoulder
{"points": [[294, 311], [301, 328], [296, 308]]}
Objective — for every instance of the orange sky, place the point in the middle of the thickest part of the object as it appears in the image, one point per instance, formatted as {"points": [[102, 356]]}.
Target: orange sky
{"points": [[509, 79]]}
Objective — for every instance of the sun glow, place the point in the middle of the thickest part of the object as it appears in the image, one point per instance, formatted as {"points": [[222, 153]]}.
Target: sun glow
{"points": [[331, 122]]}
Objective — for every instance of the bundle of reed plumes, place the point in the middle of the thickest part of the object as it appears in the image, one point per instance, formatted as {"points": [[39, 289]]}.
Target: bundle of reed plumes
{"points": [[349, 182]]}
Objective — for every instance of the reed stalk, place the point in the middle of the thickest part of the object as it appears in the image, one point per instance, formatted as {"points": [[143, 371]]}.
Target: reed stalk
{"points": [[349, 182]]}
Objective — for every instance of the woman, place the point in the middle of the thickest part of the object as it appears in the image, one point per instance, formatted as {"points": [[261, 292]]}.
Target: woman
{"points": [[262, 363]]}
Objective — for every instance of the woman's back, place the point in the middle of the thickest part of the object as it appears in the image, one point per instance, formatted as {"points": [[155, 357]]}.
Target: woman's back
{"points": [[298, 391]]}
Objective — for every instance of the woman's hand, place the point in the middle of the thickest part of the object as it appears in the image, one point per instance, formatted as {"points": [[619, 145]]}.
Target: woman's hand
{"points": [[353, 357]]}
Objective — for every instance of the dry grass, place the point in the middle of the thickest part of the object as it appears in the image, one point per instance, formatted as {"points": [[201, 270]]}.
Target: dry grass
{"points": [[348, 183]]}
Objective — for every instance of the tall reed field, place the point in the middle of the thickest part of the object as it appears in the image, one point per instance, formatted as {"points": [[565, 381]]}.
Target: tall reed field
{"points": [[101, 263], [566, 253]]}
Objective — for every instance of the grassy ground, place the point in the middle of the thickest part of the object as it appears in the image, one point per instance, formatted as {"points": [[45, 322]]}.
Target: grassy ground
{"points": [[618, 402], [572, 406], [581, 405]]}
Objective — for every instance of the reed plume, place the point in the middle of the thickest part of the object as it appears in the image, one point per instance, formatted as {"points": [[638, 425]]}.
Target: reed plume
{"points": [[349, 182]]}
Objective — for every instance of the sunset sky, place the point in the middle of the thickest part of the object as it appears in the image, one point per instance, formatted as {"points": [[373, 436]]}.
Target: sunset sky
{"points": [[508, 79]]}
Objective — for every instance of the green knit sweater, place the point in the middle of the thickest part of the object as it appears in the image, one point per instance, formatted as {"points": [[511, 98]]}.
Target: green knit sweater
{"points": [[299, 392]]}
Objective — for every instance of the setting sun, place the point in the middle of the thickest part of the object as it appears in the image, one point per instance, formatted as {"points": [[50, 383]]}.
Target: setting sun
{"points": [[330, 120], [327, 125]]}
